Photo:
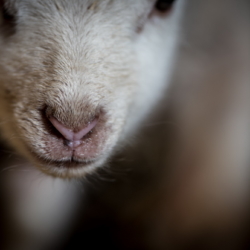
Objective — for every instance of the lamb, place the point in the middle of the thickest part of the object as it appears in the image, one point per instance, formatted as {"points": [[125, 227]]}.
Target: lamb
{"points": [[75, 95], [78, 79]]}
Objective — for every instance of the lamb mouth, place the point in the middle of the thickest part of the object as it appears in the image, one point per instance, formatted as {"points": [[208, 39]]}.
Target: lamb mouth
{"points": [[65, 164]]}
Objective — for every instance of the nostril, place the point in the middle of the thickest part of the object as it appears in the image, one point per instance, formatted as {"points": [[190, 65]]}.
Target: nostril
{"points": [[67, 133], [73, 138], [85, 130]]}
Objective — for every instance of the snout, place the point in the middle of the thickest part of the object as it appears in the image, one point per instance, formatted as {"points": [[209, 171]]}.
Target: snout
{"points": [[70, 131], [74, 137]]}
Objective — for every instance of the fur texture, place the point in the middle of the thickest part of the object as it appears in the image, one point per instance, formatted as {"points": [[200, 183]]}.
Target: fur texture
{"points": [[76, 61]]}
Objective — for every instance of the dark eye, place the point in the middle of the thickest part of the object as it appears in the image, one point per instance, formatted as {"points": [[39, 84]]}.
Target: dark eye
{"points": [[7, 16], [164, 5]]}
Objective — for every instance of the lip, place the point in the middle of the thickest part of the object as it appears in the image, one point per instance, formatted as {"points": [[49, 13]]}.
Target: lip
{"points": [[67, 163], [70, 163]]}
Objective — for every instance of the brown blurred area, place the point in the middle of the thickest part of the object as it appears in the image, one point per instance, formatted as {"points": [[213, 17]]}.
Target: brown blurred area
{"points": [[182, 182]]}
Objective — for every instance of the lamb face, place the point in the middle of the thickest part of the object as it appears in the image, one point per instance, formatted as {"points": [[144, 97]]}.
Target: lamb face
{"points": [[78, 76]]}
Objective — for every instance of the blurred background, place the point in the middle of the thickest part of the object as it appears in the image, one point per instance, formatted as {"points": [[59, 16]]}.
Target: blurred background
{"points": [[182, 182]]}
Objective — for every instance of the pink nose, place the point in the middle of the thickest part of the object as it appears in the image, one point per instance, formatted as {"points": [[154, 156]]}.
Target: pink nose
{"points": [[74, 138]]}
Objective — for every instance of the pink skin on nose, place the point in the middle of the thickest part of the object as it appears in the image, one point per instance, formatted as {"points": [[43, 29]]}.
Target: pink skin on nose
{"points": [[73, 138]]}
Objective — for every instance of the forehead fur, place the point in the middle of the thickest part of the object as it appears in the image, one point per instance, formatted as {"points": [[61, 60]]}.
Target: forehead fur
{"points": [[82, 7]]}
